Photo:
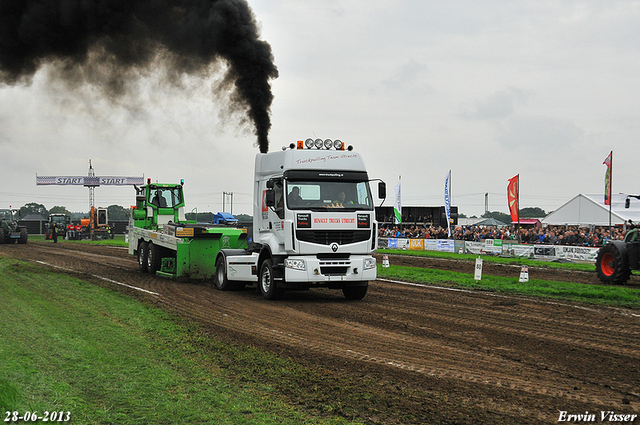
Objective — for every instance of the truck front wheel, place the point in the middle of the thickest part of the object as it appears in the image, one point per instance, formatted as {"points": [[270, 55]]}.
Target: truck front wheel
{"points": [[267, 283], [142, 256], [611, 265], [355, 292]]}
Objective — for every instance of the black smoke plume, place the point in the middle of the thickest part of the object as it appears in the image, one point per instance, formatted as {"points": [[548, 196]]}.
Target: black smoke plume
{"points": [[128, 37]]}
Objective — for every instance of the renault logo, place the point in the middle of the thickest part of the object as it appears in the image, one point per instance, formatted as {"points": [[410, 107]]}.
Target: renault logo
{"points": [[334, 247]]}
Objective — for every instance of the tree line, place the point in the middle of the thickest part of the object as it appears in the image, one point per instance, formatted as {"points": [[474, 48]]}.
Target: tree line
{"points": [[114, 212]]}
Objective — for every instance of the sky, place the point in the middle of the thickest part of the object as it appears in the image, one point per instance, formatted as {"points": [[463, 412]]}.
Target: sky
{"points": [[488, 90]]}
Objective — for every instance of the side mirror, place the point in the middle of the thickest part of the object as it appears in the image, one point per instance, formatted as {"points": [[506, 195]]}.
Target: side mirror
{"points": [[382, 190], [270, 184], [270, 197]]}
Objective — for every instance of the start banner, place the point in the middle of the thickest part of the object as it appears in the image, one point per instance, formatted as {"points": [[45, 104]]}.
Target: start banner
{"points": [[88, 181]]}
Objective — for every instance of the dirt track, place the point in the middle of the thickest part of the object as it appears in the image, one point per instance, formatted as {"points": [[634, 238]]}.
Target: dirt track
{"points": [[439, 355]]}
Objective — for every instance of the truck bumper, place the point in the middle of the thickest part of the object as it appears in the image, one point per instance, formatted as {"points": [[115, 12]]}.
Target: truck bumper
{"points": [[330, 272]]}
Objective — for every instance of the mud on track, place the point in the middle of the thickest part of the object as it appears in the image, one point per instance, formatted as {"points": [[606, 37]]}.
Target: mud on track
{"points": [[435, 355]]}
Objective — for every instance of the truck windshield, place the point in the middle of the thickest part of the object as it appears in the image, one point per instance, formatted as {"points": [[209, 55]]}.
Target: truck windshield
{"points": [[59, 219], [165, 197], [322, 195]]}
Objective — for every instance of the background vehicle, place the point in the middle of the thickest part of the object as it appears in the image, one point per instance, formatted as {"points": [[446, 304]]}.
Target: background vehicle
{"points": [[97, 225], [617, 259], [10, 231], [62, 223]]}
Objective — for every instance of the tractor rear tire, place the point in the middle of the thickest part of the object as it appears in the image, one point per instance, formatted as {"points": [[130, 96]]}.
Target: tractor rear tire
{"points": [[24, 236], [1, 235], [143, 251], [612, 266], [154, 258]]}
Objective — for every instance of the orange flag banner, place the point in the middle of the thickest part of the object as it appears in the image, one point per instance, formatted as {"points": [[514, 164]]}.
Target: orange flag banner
{"points": [[513, 197]]}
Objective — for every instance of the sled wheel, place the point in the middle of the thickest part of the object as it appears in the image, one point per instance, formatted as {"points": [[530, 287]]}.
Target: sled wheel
{"points": [[154, 258], [142, 256]]}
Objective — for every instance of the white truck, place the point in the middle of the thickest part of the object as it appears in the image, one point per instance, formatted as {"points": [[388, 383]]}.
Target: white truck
{"points": [[313, 223]]}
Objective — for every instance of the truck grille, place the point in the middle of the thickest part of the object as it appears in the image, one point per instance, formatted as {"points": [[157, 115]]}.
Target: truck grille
{"points": [[334, 271], [335, 266], [327, 237]]}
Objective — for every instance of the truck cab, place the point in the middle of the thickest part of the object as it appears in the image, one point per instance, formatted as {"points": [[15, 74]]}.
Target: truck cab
{"points": [[314, 221]]}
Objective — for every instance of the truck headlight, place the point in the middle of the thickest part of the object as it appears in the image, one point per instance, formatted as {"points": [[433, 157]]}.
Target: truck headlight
{"points": [[369, 263], [295, 264]]}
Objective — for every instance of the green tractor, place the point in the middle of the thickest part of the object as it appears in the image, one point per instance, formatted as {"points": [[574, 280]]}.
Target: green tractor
{"points": [[617, 259], [61, 221], [10, 231]]}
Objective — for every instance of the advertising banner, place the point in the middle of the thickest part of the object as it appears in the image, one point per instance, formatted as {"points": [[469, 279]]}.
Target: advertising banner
{"points": [[416, 244], [580, 253], [474, 247], [446, 245], [493, 246], [431, 244]]}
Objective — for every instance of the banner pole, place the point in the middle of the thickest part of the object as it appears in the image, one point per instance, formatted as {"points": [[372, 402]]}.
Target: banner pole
{"points": [[610, 191], [518, 204]]}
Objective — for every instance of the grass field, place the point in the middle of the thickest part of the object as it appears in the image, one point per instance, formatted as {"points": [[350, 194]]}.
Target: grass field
{"points": [[616, 296], [69, 346], [493, 259]]}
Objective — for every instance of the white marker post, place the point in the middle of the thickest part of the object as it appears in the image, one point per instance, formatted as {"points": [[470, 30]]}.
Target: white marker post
{"points": [[524, 274], [478, 274]]}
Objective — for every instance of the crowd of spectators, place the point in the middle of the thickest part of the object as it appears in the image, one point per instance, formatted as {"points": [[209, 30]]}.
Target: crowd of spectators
{"points": [[551, 235]]}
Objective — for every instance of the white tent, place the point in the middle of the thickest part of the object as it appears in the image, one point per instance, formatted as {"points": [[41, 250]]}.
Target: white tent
{"points": [[585, 210]]}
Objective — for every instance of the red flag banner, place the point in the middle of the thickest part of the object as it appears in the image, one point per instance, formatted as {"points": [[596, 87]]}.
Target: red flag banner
{"points": [[512, 198], [607, 179]]}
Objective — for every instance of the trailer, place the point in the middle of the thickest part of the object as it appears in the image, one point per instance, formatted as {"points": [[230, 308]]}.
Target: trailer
{"points": [[169, 245]]}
